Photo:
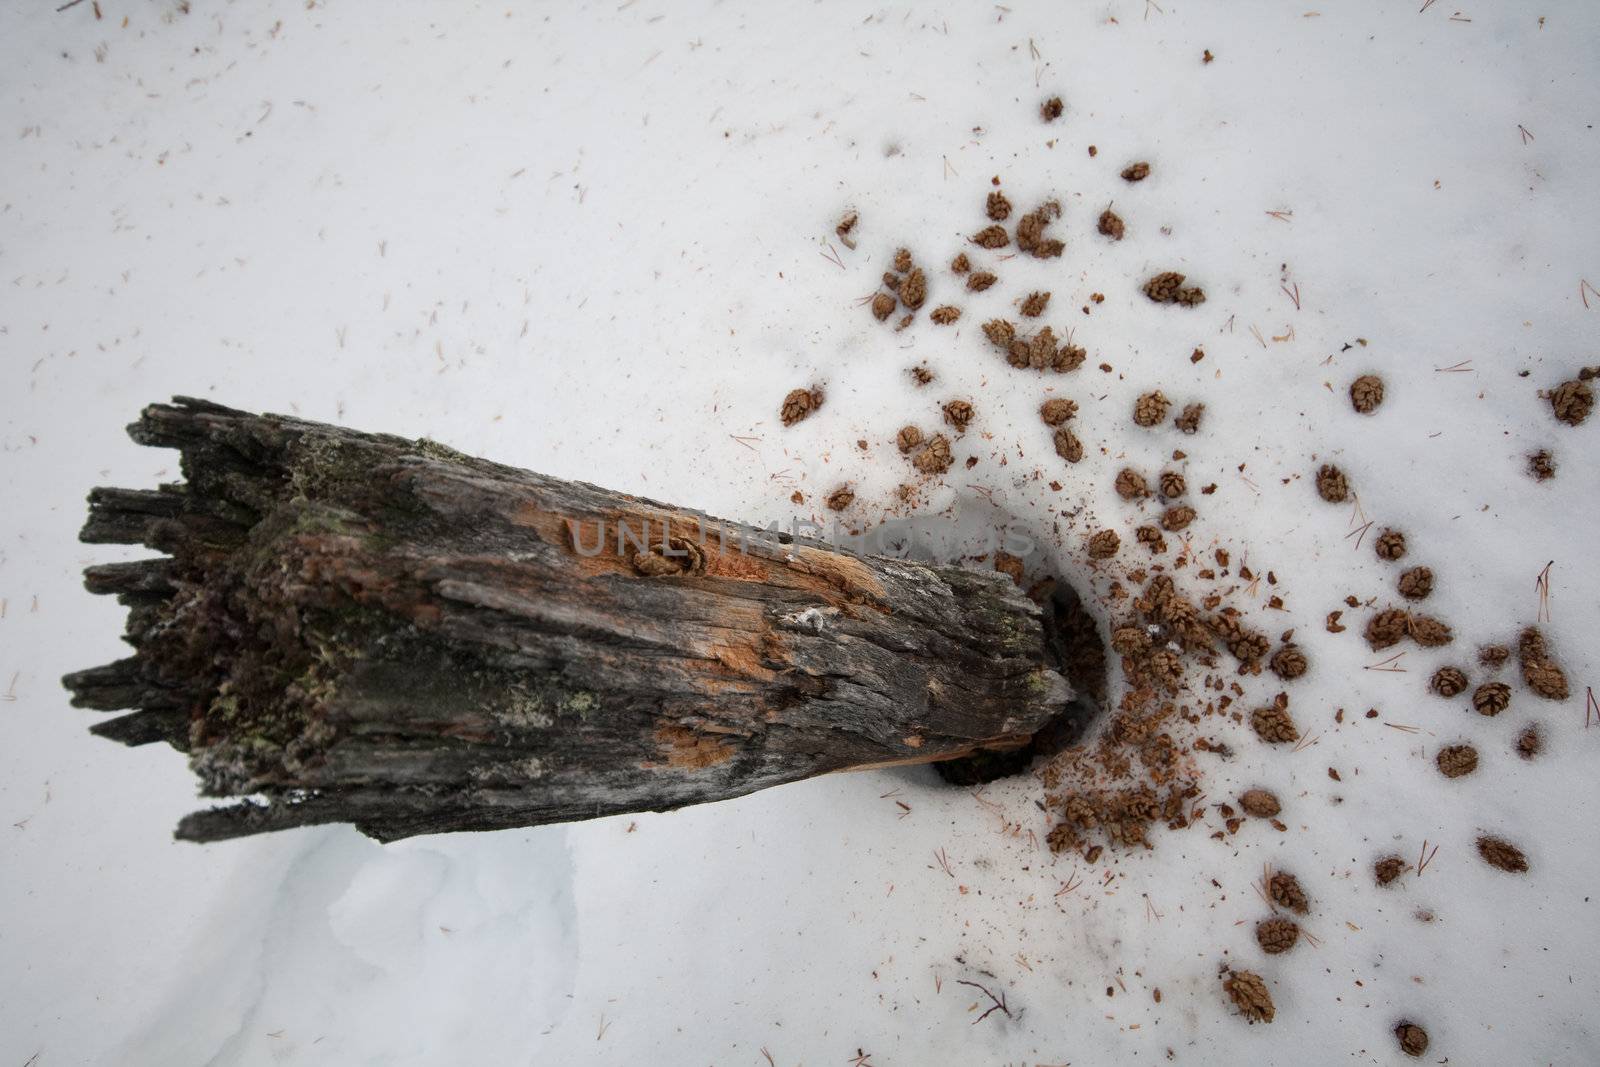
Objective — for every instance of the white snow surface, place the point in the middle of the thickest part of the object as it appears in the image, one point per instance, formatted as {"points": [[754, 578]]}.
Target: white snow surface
{"points": [[595, 240]]}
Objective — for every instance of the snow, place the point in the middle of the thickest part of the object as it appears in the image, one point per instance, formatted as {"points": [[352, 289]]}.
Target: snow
{"points": [[590, 240]]}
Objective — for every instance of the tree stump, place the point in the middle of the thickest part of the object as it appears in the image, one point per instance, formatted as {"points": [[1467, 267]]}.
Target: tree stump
{"points": [[353, 627]]}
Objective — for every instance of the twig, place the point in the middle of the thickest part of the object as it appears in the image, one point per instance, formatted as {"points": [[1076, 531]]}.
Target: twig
{"points": [[944, 862], [1294, 295], [1526, 135], [1542, 585], [1584, 288], [1391, 665], [1282, 216], [998, 1003], [1357, 513], [1455, 368], [1425, 857], [1261, 886], [1591, 706]]}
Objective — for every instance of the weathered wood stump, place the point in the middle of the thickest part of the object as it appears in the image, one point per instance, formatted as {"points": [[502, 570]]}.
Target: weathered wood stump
{"points": [[352, 627]]}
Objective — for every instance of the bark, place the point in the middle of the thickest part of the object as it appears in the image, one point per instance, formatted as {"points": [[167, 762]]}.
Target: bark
{"points": [[351, 627]]}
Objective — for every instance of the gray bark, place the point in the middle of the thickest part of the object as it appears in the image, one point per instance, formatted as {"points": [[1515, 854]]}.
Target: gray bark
{"points": [[350, 627]]}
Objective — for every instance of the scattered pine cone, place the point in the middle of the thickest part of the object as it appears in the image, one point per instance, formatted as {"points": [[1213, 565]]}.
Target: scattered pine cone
{"points": [[1449, 681], [1188, 421], [935, 458], [1498, 852], [1542, 465], [1539, 670], [958, 413], [1057, 410], [1332, 485], [1428, 631], [1288, 662], [1177, 517], [1413, 1038], [1164, 287], [1572, 401], [1366, 393], [1030, 232], [914, 289], [1151, 538], [991, 237], [1150, 408], [1386, 628], [1068, 447], [1104, 544], [1000, 333], [1131, 484], [1283, 889], [1273, 725], [1390, 545], [1454, 761], [1277, 935], [1261, 803], [800, 403], [1416, 583], [1250, 996], [1491, 698], [1494, 656]]}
